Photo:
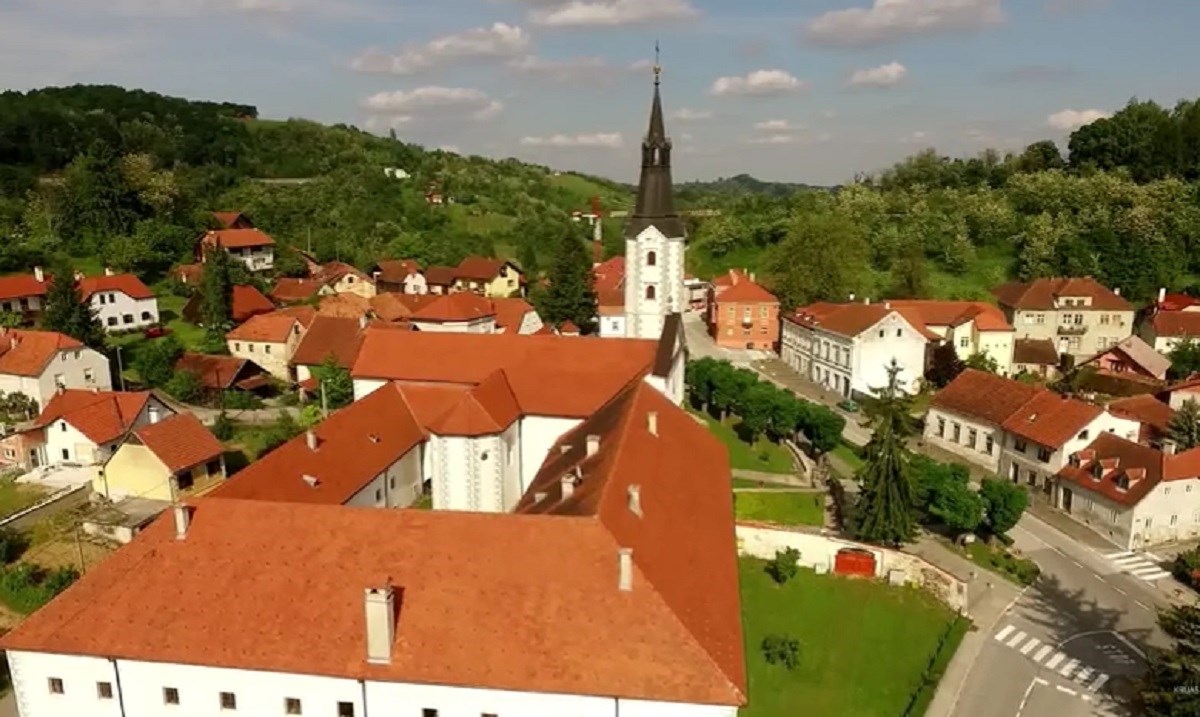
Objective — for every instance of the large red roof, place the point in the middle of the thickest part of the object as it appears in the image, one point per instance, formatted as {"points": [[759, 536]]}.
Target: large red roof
{"points": [[464, 306], [22, 286], [330, 335], [249, 301], [987, 317], [238, 238], [851, 319], [26, 353], [1041, 294], [983, 395], [180, 441], [127, 284], [737, 287], [1124, 471], [102, 416], [1050, 420], [1176, 323]]}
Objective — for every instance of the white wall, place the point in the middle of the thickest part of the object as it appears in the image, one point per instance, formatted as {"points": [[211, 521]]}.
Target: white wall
{"points": [[114, 307], [398, 486], [415, 284], [874, 353], [531, 323], [485, 325], [468, 473], [74, 368], [273, 357], [976, 453], [62, 436], [538, 435], [645, 317], [364, 387], [1027, 460], [612, 327], [999, 345]]}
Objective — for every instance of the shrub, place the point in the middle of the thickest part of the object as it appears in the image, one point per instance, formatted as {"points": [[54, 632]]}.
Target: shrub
{"points": [[185, 386], [783, 566], [241, 400], [1186, 567], [781, 650], [223, 427], [27, 587], [12, 545]]}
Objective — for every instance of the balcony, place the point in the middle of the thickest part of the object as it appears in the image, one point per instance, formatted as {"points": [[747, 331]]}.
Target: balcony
{"points": [[1071, 330]]}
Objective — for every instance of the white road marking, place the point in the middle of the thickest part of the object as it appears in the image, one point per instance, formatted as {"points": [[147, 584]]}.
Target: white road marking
{"points": [[1121, 554], [1114, 587], [1028, 648], [1040, 681], [1016, 639], [1131, 560], [1083, 674], [1154, 557], [1077, 563], [1142, 605], [1004, 633], [1069, 668], [1041, 654], [1068, 690], [1058, 657], [1126, 641], [1098, 682]]}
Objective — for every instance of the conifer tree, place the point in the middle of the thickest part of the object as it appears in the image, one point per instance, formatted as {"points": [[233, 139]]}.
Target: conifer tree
{"points": [[216, 295], [1169, 687], [571, 295], [886, 507], [66, 312], [1184, 428]]}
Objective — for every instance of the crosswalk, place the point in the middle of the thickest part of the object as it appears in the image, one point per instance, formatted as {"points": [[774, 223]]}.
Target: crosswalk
{"points": [[1139, 565], [1049, 658]]}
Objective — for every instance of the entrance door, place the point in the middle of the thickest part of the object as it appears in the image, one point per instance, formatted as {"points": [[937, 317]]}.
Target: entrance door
{"points": [[1067, 497], [1013, 472]]}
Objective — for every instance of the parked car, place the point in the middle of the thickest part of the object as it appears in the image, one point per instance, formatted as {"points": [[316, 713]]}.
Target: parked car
{"points": [[156, 332], [848, 406]]}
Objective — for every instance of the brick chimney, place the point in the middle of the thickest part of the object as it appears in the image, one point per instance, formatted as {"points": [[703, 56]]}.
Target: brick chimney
{"points": [[379, 607]]}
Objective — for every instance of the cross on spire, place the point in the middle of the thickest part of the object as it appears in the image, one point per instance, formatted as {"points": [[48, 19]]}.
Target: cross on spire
{"points": [[657, 64]]}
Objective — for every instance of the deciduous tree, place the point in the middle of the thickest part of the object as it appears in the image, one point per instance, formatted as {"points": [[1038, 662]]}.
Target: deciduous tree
{"points": [[1003, 504], [336, 382], [944, 365]]}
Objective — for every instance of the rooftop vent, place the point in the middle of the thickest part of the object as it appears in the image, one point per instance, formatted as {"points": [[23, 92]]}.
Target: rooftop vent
{"points": [[312, 481], [373, 438], [379, 606], [183, 520], [568, 486], [310, 436], [538, 497], [652, 422], [564, 449], [625, 569], [593, 444], [635, 500]]}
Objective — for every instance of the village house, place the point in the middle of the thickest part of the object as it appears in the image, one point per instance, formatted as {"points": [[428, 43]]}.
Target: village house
{"points": [[269, 340], [121, 302], [39, 363], [23, 294], [247, 302], [1178, 394], [1081, 316], [339, 337], [458, 313], [1134, 495], [401, 276], [1035, 357], [492, 278], [609, 284], [742, 314], [973, 328], [168, 459], [232, 220], [85, 427], [223, 373], [1153, 416], [1021, 432], [333, 279], [1173, 318], [252, 247], [1131, 358]]}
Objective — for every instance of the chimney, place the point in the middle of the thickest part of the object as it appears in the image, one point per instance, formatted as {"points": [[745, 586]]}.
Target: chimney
{"points": [[379, 606], [1162, 292], [311, 437], [652, 422], [635, 500], [752, 277], [1169, 448], [867, 300], [564, 449], [183, 520], [593, 444], [733, 277], [887, 305], [362, 321], [625, 562], [108, 271], [1117, 291], [312, 481], [41, 275], [152, 412], [851, 297], [79, 276], [568, 485]]}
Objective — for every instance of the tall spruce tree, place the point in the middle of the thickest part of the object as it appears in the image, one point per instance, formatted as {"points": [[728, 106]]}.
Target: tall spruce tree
{"points": [[886, 507], [1169, 688], [571, 295], [65, 310], [1184, 428], [216, 294]]}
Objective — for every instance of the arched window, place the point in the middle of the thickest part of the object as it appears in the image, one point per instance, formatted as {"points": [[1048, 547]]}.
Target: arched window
{"points": [[650, 293], [652, 259]]}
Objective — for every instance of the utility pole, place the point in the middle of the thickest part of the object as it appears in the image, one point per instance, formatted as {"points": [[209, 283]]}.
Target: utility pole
{"points": [[79, 547], [120, 369]]}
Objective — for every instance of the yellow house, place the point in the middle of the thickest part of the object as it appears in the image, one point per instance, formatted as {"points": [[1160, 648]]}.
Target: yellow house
{"points": [[169, 459], [493, 278]]}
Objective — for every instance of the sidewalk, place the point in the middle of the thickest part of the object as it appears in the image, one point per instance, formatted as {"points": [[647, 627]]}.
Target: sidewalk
{"points": [[787, 479]]}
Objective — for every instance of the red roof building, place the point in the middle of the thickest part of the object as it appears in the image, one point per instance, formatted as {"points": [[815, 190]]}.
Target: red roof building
{"points": [[742, 314], [223, 373]]}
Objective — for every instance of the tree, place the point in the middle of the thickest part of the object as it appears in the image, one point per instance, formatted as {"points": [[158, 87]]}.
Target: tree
{"points": [[289, 263], [571, 295], [1003, 504], [885, 508], [65, 310], [1184, 428], [155, 361], [528, 259], [1040, 157], [944, 365], [982, 362], [185, 386], [957, 506], [801, 267], [785, 414], [783, 650], [1185, 359], [336, 382], [755, 408], [1169, 686], [223, 427], [784, 565], [698, 379], [910, 275], [821, 425], [216, 294]]}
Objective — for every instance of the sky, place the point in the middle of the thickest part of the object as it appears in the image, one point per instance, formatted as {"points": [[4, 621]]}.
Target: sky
{"points": [[812, 91]]}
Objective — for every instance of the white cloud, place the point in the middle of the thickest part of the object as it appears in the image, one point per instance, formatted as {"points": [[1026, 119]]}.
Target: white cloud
{"points": [[887, 75], [573, 69], [270, 9], [917, 137], [593, 13], [775, 125], [498, 41], [1068, 120], [686, 114], [403, 106], [599, 139], [773, 139], [760, 83], [888, 20]]}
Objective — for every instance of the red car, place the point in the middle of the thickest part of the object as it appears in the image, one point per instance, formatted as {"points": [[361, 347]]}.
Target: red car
{"points": [[156, 331]]}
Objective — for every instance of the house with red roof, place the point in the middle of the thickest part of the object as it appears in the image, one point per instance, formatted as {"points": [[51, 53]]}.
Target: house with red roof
{"points": [[168, 459], [247, 302], [121, 302], [333, 279], [270, 340], [223, 373], [252, 247], [1023, 433], [1134, 495], [741, 313], [39, 363], [86, 427], [488, 277], [401, 276], [1132, 358], [24, 294], [1173, 318], [232, 220], [1081, 315]]}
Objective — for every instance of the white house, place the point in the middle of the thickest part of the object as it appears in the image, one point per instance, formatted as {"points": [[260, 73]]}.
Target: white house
{"points": [[121, 302], [85, 427], [270, 340], [971, 327], [23, 294], [38, 363], [250, 246]]}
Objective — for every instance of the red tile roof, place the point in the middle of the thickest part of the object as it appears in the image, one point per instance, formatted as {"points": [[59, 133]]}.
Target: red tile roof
{"points": [[455, 578], [228, 220], [1176, 323], [739, 288], [238, 238], [22, 286], [478, 268], [1035, 352], [396, 307], [1139, 353], [439, 275], [249, 301], [289, 290], [395, 271], [217, 372], [330, 335], [1177, 302], [345, 306], [463, 306], [1124, 471], [568, 328], [102, 416], [190, 274], [127, 284], [180, 442], [26, 353], [983, 395], [1041, 294], [987, 317], [1050, 420], [1145, 409], [510, 313], [274, 327], [851, 319]]}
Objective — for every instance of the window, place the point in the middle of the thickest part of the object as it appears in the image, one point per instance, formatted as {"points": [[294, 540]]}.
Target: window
{"points": [[488, 714], [651, 259], [429, 713], [1174, 518], [63, 425], [1083, 434], [56, 685], [1031, 477], [291, 706], [89, 375], [213, 467], [747, 314], [127, 318], [378, 495], [112, 298], [267, 348], [112, 321], [237, 346], [104, 690], [881, 333], [1103, 319], [146, 316], [1148, 520], [956, 432], [66, 454], [184, 481], [988, 445], [103, 300], [1039, 319], [1044, 454], [10, 453], [345, 709], [765, 312], [250, 348], [972, 437], [651, 294], [1019, 446], [170, 696], [228, 701], [899, 333], [965, 342]]}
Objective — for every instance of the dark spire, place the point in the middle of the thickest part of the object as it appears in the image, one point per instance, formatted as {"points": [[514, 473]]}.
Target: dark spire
{"points": [[655, 201]]}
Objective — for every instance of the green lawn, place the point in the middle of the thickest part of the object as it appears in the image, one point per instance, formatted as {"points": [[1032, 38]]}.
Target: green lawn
{"points": [[15, 496], [763, 456], [782, 507], [849, 454], [170, 309], [1015, 568], [864, 646], [747, 483]]}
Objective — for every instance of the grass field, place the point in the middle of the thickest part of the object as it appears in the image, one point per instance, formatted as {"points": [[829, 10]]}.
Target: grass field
{"points": [[15, 496], [748, 483], [763, 456], [849, 454], [864, 646], [781, 507]]}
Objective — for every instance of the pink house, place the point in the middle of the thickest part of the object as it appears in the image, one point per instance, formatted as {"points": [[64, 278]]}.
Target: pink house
{"points": [[1131, 357]]}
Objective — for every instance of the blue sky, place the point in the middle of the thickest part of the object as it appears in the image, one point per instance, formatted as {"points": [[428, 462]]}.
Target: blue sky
{"points": [[799, 90]]}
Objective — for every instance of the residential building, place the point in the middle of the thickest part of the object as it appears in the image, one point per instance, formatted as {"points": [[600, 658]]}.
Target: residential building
{"points": [[252, 247], [609, 283], [39, 363], [333, 279], [605, 524], [232, 220], [1153, 416], [223, 373], [1132, 357], [1175, 396], [493, 278], [247, 303], [1036, 357], [456, 313], [439, 279], [121, 302], [1134, 495], [85, 427], [515, 315], [1081, 316], [847, 348], [696, 291], [1173, 318], [168, 459], [269, 340], [23, 294], [971, 327], [402, 276], [336, 336], [1021, 432], [742, 314]]}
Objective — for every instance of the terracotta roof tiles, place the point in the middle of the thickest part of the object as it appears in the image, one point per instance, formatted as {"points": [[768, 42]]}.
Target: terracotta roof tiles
{"points": [[180, 441], [439, 275], [26, 353], [274, 327], [1042, 294], [1050, 420], [102, 416], [1145, 409], [22, 286], [983, 395], [217, 373], [478, 268], [1176, 324], [1035, 352], [127, 284], [330, 335], [743, 289], [237, 238], [395, 271], [464, 306]]}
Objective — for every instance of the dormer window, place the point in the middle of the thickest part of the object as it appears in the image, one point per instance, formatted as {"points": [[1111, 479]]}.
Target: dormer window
{"points": [[1097, 471], [1123, 483]]}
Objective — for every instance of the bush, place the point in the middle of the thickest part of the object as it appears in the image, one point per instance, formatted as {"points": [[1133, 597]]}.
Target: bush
{"points": [[241, 400], [185, 386], [781, 650], [1021, 570], [12, 545], [27, 587], [1186, 568], [1003, 504], [223, 427], [784, 565]]}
